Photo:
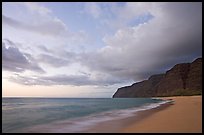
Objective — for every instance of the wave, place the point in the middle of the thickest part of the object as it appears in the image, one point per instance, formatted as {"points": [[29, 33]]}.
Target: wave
{"points": [[82, 124]]}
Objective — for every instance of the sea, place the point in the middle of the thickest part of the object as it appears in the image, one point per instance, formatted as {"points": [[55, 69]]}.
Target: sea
{"points": [[72, 115]]}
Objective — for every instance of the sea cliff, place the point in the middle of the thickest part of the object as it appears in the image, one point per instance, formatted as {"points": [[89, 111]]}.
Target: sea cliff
{"points": [[182, 79]]}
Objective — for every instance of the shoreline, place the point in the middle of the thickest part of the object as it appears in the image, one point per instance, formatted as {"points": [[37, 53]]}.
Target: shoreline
{"points": [[118, 125], [183, 115]]}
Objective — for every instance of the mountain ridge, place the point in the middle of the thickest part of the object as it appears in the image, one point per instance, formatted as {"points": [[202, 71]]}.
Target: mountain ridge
{"points": [[181, 79]]}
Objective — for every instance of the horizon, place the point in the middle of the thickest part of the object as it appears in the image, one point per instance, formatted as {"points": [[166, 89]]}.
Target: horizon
{"points": [[62, 97], [89, 49]]}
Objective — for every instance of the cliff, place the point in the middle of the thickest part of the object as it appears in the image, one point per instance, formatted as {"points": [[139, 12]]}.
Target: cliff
{"points": [[182, 79]]}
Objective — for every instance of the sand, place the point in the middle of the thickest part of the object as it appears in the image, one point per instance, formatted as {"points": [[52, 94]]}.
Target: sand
{"points": [[184, 116]]}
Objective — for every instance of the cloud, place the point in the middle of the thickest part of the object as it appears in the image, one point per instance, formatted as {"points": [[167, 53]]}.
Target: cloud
{"points": [[15, 61], [173, 35], [74, 80], [52, 27], [36, 7], [120, 15], [43, 48], [54, 61], [40, 20]]}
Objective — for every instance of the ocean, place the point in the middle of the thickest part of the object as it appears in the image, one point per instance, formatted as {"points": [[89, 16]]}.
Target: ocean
{"points": [[68, 114]]}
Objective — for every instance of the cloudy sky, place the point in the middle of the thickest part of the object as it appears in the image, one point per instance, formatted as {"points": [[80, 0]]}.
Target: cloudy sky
{"points": [[91, 49]]}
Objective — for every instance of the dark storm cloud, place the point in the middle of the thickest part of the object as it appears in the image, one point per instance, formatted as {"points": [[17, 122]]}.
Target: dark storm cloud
{"points": [[15, 61], [174, 35]]}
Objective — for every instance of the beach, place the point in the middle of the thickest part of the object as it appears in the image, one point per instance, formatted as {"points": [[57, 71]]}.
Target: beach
{"points": [[72, 115], [136, 115], [184, 116]]}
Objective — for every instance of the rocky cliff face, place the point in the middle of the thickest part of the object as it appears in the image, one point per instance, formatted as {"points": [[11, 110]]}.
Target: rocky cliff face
{"points": [[182, 79]]}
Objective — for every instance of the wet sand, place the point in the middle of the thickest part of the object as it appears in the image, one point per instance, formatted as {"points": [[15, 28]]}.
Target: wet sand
{"points": [[184, 116], [117, 126]]}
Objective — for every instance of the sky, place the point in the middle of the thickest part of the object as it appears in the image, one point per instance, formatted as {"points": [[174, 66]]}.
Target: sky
{"points": [[87, 49]]}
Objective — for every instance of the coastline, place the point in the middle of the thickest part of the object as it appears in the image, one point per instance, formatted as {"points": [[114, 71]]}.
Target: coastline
{"points": [[181, 114], [184, 116], [118, 125]]}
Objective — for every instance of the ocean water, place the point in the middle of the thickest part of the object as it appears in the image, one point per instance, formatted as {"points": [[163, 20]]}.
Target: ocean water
{"points": [[67, 114]]}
